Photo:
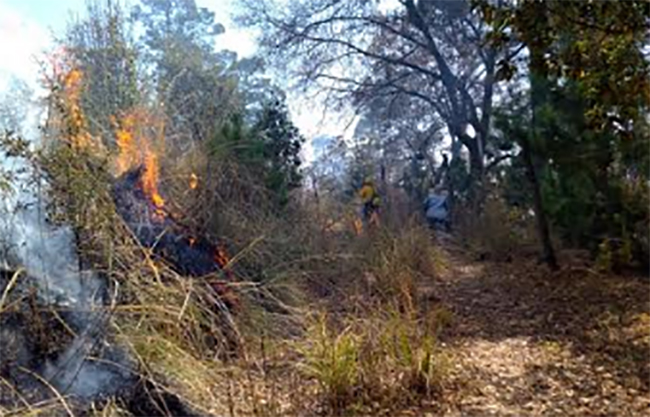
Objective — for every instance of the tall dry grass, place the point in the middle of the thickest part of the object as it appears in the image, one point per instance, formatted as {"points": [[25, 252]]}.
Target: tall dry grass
{"points": [[326, 321], [499, 231]]}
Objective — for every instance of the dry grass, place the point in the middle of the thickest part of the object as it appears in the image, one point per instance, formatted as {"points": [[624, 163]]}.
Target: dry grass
{"points": [[326, 322], [378, 364], [269, 357], [499, 232]]}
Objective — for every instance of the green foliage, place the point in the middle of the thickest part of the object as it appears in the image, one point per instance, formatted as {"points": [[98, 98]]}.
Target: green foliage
{"points": [[590, 137], [592, 188], [281, 145], [377, 362], [192, 80], [415, 353], [604, 261], [590, 172], [269, 149], [102, 46], [176, 31], [333, 360]]}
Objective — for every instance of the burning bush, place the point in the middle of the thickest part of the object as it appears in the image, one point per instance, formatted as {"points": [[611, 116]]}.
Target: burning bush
{"points": [[160, 279]]}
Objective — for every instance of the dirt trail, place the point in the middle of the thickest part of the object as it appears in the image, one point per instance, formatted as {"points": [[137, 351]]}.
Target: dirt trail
{"points": [[529, 342]]}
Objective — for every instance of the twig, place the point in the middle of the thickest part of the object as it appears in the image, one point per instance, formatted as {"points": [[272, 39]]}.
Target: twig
{"points": [[185, 302], [8, 288], [52, 388], [244, 251], [16, 392]]}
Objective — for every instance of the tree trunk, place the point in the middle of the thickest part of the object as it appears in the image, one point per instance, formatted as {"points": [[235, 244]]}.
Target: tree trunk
{"points": [[538, 206], [476, 171], [538, 43]]}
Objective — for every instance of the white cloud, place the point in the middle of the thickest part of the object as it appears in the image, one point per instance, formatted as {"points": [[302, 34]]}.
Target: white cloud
{"points": [[22, 41]]}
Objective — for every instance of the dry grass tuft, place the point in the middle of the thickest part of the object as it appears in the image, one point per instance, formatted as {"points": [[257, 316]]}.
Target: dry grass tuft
{"points": [[499, 232]]}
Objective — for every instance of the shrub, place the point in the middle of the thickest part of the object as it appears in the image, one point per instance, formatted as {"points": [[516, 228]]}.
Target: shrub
{"points": [[499, 231], [398, 259], [333, 360], [382, 360]]}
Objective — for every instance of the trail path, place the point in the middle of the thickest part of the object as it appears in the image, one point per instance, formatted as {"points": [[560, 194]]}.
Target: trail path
{"points": [[527, 342]]}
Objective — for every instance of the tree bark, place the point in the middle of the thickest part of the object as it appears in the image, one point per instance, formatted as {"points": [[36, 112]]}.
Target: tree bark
{"points": [[538, 42], [538, 205]]}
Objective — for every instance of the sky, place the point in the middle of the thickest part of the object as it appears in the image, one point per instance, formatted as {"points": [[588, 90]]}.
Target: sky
{"points": [[27, 28]]}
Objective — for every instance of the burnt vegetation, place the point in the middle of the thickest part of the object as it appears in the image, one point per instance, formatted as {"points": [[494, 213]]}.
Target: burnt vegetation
{"points": [[173, 244]]}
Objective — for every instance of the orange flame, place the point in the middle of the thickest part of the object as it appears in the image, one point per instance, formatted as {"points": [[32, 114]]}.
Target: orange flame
{"points": [[72, 88], [150, 179], [194, 181], [124, 136], [135, 148], [134, 131]]}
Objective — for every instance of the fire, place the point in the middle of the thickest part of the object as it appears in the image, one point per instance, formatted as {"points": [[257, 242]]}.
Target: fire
{"points": [[221, 256], [138, 132], [194, 181], [150, 179], [72, 88], [124, 137], [135, 148]]}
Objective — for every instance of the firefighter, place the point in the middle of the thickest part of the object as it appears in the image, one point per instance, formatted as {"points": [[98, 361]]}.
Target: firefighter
{"points": [[370, 202], [436, 209]]}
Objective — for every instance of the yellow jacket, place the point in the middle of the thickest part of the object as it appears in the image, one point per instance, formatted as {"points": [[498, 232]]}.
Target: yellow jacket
{"points": [[367, 194]]}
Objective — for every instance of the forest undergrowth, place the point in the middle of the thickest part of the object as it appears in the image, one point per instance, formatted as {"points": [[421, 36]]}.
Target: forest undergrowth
{"points": [[395, 321], [174, 255], [306, 321]]}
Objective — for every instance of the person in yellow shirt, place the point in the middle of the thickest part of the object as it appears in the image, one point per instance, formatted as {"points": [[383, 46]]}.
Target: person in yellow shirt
{"points": [[370, 201]]}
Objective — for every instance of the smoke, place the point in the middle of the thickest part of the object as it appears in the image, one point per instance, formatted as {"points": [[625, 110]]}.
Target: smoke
{"points": [[47, 254], [74, 372]]}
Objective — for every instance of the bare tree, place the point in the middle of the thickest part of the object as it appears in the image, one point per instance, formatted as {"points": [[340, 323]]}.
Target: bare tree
{"points": [[432, 52]]}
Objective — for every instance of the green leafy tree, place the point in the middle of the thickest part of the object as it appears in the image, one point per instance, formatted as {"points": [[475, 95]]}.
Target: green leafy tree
{"points": [[281, 144], [269, 149], [587, 143], [195, 83]]}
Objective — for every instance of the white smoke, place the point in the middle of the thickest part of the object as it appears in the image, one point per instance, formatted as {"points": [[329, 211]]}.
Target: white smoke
{"points": [[74, 373], [47, 254]]}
